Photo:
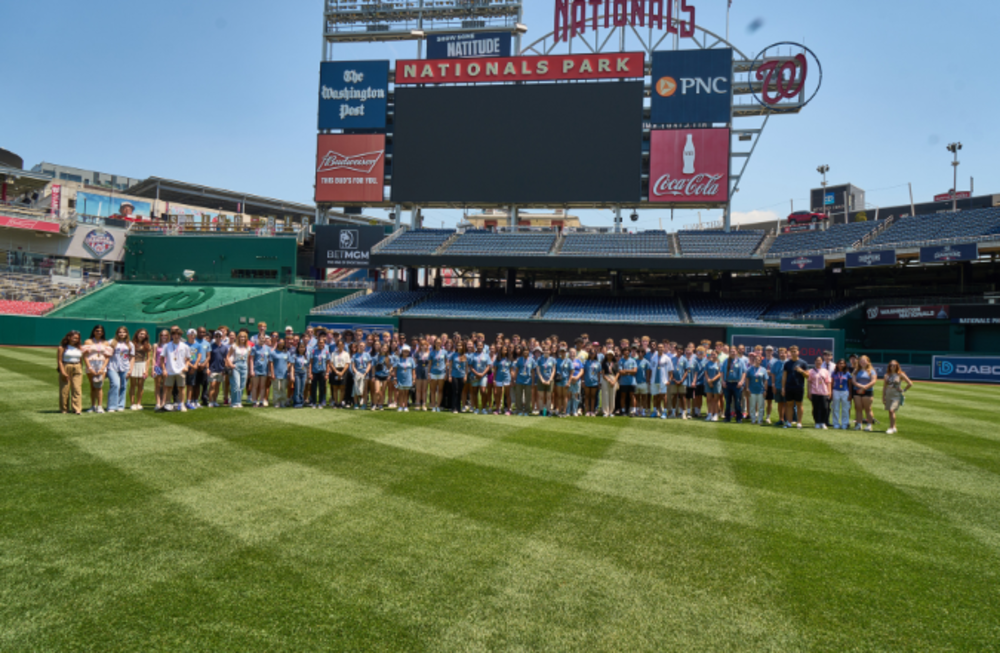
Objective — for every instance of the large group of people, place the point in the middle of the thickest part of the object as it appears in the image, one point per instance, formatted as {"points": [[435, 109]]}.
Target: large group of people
{"points": [[458, 373]]}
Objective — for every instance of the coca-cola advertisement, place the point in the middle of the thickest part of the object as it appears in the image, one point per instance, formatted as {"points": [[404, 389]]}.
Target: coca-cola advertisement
{"points": [[350, 168], [689, 165]]}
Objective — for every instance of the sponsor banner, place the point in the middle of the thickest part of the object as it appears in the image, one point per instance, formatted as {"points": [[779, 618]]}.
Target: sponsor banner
{"points": [[353, 94], [469, 46], [345, 246], [368, 329], [56, 199], [915, 372], [947, 197], [102, 244], [809, 348], [689, 165], [975, 369], [350, 168], [907, 312], [799, 228], [976, 314], [624, 65], [32, 225], [692, 87], [875, 259], [945, 253], [801, 263], [575, 17], [115, 208]]}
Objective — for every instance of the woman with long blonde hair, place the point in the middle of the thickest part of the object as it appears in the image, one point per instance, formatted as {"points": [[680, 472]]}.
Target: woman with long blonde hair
{"points": [[865, 378], [892, 391]]}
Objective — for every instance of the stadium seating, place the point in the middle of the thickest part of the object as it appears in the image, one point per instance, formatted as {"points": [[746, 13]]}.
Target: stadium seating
{"points": [[377, 304], [647, 243], [836, 237], [8, 307], [646, 310], [833, 310], [788, 310], [479, 303], [417, 241], [34, 288], [719, 243], [717, 311], [978, 224], [484, 243]]}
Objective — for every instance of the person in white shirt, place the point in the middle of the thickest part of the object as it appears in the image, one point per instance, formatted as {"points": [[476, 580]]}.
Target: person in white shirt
{"points": [[660, 367], [176, 358]]}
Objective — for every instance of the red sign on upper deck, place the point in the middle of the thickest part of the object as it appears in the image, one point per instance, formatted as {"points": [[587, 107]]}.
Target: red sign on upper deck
{"points": [[625, 65]]}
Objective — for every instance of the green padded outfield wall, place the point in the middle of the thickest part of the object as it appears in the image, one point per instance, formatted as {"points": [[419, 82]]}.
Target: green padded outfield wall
{"points": [[212, 258]]}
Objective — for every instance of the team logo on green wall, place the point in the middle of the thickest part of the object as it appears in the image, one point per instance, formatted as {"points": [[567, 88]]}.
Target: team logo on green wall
{"points": [[176, 301]]}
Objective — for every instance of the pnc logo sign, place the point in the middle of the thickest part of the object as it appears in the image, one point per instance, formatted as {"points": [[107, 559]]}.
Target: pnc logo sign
{"points": [[667, 86]]}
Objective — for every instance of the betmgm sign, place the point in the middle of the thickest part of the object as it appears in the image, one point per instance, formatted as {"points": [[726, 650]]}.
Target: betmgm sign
{"points": [[345, 246]]}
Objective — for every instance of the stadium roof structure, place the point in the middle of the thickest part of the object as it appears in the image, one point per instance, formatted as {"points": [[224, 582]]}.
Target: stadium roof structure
{"points": [[22, 181], [169, 190]]}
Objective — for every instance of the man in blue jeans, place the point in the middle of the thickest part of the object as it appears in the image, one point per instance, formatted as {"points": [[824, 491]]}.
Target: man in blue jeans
{"points": [[734, 372]]}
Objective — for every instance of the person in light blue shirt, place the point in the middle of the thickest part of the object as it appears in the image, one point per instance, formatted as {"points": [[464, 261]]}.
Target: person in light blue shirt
{"points": [[627, 370], [546, 373], [436, 375], [404, 370], [642, 384], [278, 372], [591, 383], [677, 395], [381, 366], [503, 367], [734, 373], [459, 366], [319, 359], [700, 361], [564, 371], [757, 378], [300, 367], [713, 387], [361, 365], [524, 373], [777, 368], [575, 384], [260, 356], [479, 366]]}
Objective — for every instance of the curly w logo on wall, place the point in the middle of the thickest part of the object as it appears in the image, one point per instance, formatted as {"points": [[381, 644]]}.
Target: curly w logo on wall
{"points": [[176, 301]]}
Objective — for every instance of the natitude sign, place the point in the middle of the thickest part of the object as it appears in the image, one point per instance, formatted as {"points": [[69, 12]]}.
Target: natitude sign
{"points": [[350, 168], [689, 165], [625, 65]]}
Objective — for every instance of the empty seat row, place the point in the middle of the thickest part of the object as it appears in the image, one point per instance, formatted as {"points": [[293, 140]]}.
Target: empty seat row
{"points": [[839, 236], [647, 243], [418, 241], [485, 243], [719, 243], [973, 225], [648, 310], [379, 304]]}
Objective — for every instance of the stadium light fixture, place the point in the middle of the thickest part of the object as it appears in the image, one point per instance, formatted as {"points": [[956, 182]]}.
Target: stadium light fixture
{"points": [[823, 169], [954, 148]]}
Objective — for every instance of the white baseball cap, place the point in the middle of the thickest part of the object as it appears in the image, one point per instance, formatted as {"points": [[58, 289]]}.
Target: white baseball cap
{"points": [[192, 332], [288, 328]]}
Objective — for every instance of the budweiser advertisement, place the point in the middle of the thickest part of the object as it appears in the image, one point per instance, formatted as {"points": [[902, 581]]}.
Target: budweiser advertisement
{"points": [[350, 168], [689, 165], [625, 65], [33, 225]]}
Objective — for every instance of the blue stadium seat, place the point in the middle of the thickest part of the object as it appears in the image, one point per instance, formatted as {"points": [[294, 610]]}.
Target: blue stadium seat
{"points": [[967, 226], [839, 236], [379, 304], [646, 243], [641, 310], [479, 303], [719, 243], [485, 243], [418, 241]]}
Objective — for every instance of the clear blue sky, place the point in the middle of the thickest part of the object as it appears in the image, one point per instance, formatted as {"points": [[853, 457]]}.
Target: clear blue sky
{"points": [[224, 93]]}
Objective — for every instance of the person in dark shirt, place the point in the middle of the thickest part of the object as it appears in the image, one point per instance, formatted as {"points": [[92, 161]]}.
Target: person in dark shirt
{"points": [[794, 381]]}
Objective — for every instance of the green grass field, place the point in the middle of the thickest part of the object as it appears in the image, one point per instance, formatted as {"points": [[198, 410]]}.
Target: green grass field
{"points": [[222, 530]]}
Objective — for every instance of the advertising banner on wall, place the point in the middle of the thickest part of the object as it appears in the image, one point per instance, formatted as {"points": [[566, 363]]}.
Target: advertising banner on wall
{"points": [[345, 246], [802, 263], [350, 167], [809, 348], [116, 208], [689, 165], [947, 253], [468, 46], [972, 369], [55, 199], [32, 225], [102, 244], [876, 259], [938, 312], [353, 94], [625, 65], [976, 314], [692, 87]]}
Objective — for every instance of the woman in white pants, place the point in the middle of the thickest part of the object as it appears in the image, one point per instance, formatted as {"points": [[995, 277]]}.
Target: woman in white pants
{"points": [[609, 384], [841, 409]]}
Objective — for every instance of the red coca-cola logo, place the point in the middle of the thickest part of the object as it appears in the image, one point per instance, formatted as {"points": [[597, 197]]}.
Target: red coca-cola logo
{"points": [[689, 165]]}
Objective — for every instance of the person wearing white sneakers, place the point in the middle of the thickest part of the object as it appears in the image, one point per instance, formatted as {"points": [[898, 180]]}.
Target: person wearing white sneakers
{"points": [[279, 373], [757, 379], [820, 393], [841, 380], [661, 375], [713, 387], [794, 377], [403, 372], [865, 379], [176, 360], [893, 390]]}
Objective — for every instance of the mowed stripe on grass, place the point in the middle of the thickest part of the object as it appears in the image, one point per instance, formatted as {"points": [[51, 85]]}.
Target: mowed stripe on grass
{"points": [[332, 530]]}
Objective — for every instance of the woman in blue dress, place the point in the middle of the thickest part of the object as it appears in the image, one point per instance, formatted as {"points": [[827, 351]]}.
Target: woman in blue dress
{"points": [[502, 366], [403, 371]]}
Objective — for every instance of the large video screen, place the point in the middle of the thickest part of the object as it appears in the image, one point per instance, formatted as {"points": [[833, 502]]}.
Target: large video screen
{"points": [[542, 143]]}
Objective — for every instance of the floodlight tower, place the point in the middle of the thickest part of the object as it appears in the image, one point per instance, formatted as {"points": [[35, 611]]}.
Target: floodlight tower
{"points": [[954, 148], [823, 169]]}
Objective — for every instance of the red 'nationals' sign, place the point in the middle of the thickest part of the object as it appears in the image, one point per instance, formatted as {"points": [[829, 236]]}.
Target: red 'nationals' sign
{"points": [[350, 168], [689, 165], [623, 65], [575, 17]]}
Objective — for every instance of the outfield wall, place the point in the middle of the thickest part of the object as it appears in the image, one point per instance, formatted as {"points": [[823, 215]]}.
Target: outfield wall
{"points": [[213, 258]]}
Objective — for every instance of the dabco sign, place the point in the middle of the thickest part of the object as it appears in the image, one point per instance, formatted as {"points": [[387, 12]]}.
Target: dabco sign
{"points": [[350, 168], [353, 94], [692, 86], [689, 165], [626, 65], [977, 369]]}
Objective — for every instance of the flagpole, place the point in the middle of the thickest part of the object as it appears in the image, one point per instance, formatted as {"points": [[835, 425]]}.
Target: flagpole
{"points": [[729, 5]]}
